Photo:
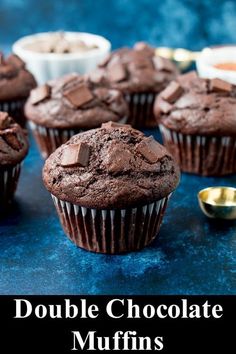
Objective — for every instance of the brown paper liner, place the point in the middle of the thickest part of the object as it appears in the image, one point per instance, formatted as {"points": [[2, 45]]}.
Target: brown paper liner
{"points": [[15, 109], [203, 155], [9, 176], [141, 110], [49, 139], [111, 231]]}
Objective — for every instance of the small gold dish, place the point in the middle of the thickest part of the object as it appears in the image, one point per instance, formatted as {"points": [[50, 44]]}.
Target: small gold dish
{"points": [[218, 202], [182, 57]]}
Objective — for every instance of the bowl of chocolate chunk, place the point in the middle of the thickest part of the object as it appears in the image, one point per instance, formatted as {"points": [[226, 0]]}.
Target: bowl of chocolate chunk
{"points": [[52, 54]]}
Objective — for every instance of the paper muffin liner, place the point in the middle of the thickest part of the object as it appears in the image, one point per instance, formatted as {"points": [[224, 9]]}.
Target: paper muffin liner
{"points": [[49, 139], [111, 231], [204, 155], [15, 109], [9, 176], [141, 110]]}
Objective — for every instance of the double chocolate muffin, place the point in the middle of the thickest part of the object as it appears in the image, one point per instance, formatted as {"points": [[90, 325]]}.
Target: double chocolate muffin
{"points": [[139, 74], [13, 149], [15, 85], [197, 118], [66, 106], [110, 187]]}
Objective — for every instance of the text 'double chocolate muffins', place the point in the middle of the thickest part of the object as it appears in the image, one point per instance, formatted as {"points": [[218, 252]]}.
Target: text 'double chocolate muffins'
{"points": [[15, 85], [66, 106], [110, 187], [13, 149], [197, 118], [139, 74]]}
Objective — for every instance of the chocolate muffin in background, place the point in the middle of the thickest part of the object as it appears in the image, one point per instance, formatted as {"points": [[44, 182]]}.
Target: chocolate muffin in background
{"points": [[15, 85], [66, 106], [110, 187], [139, 74], [13, 149], [197, 119]]}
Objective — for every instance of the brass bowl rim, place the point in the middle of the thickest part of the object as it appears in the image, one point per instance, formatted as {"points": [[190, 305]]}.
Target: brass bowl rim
{"points": [[216, 187]]}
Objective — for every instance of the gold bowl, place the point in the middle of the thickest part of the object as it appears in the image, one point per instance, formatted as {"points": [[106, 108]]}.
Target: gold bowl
{"points": [[218, 202], [182, 57]]}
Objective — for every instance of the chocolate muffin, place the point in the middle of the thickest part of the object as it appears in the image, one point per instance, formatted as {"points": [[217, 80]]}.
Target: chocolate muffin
{"points": [[139, 74], [66, 106], [15, 85], [13, 149], [110, 187], [197, 119]]}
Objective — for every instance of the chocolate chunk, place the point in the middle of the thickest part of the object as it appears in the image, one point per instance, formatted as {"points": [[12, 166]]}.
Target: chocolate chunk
{"points": [[172, 92], [15, 61], [150, 149], [141, 46], [119, 158], [110, 125], [162, 106], [96, 76], [162, 64], [2, 61], [12, 141], [40, 94], [5, 120], [116, 72], [75, 155], [191, 75], [218, 85], [79, 95]]}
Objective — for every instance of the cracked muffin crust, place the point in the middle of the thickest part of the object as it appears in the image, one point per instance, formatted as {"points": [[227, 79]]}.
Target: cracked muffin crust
{"points": [[114, 166]]}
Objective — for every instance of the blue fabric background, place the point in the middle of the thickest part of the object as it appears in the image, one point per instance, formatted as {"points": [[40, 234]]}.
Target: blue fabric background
{"points": [[187, 23], [192, 254]]}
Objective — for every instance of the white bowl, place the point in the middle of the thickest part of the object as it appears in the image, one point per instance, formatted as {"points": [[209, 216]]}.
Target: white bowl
{"points": [[47, 66], [215, 55]]}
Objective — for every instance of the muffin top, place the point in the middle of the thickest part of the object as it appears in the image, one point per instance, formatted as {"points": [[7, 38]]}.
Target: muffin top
{"points": [[74, 102], [114, 166], [15, 81], [135, 70], [192, 105], [13, 141]]}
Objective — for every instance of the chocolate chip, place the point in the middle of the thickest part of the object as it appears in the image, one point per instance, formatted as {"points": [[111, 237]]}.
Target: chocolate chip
{"points": [[116, 72], [172, 92], [75, 155], [15, 61], [40, 93], [110, 125], [218, 85], [79, 95], [150, 149], [5, 120], [162, 64]]}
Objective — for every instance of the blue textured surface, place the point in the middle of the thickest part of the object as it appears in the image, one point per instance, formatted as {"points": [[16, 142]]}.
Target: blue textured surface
{"points": [[193, 255]]}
